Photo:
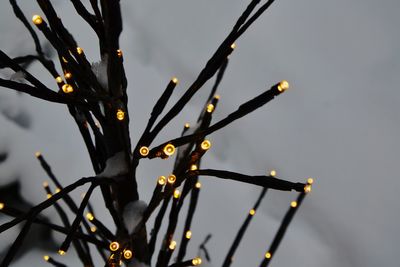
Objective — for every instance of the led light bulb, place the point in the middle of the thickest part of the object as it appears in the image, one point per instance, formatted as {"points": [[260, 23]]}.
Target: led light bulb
{"points": [[68, 75], [198, 185], [144, 151], [177, 194], [1, 205], [217, 97], [59, 79], [268, 255], [171, 179], [114, 246], [272, 173], [169, 150], [172, 245], [79, 50], [307, 188], [196, 261], [38, 154], [46, 257], [61, 252], [283, 86], [175, 80], [128, 254], [210, 108], [205, 145], [89, 216], [310, 181], [37, 20], [252, 212], [188, 234], [293, 204], [67, 88], [193, 167], [162, 180], [233, 46], [120, 114], [119, 53], [187, 125]]}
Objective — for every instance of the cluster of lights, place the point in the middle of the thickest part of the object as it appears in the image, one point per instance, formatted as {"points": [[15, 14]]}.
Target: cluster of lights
{"points": [[67, 88], [205, 145], [196, 261], [120, 114]]}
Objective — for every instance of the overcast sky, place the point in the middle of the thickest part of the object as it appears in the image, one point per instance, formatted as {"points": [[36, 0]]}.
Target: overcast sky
{"points": [[338, 123]]}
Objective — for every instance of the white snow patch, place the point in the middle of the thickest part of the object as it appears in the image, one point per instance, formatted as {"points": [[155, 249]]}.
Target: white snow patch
{"points": [[116, 165], [100, 70], [133, 212]]}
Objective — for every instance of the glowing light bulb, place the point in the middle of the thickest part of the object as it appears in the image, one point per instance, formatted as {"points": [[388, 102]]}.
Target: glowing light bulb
{"points": [[68, 75], [233, 46], [79, 50], [252, 212], [293, 204], [172, 245], [205, 145], [175, 80], [188, 234], [187, 125], [193, 167], [268, 255], [210, 108], [61, 252], [114, 246], [272, 173], [89, 216], [144, 151], [310, 181], [67, 88], [162, 180], [1, 205], [169, 150], [196, 261], [283, 86], [171, 179], [93, 229], [128, 254], [46, 257], [198, 185], [119, 53], [177, 194], [37, 20], [307, 188], [38, 154], [120, 114], [49, 196], [217, 97], [45, 184], [58, 190], [59, 79]]}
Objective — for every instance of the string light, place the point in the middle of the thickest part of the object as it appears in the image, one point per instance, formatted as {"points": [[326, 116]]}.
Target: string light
{"points": [[1, 205], [162, 180], [177, 194], [210, 108], [196, 261], [268, 255], [114, 246], [172, 245], [293, 204], [59, 79], [38, 154], [169, 149], [46, 257], [89, 216], [68, 75], [171, 179], [93, 229], [37, 20], [198, 185], [79, 50], [45, 184], [283, 86], [233, 46], [49, 196], [119, 53], [310, 181], [188, 234], [120, 114], [58, 190], [217, 97], [187, 125], [193, 167], [175, 80], [128, 254], [272, 173], [61, 252], [252, 212], [307, 188], [144, 151], [67, 88], [205, 145]]}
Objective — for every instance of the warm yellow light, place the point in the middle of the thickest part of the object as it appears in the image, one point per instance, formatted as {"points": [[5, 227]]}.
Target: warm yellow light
{"points": [[187, 125], [198, 185], [67, 88], [119, 53], [171, 179], [68, 75], [79, 50], [45, 184], [114, 246], [49, 196], [283, 86], [272, 173], [120, 114], [252, 212], [128, 254], [175, 80], [210, 108], [61, 252], [38, 154], [162, 180], [307, 188], [310, 181], [177, 193], [144, 151], [93, 229], [268, 255], [193, 167], [64, 60], [293, 204], [89, 216], [172, 245], [188, 234], [217, 97], [233, 46], [205, 145], [169, 149], [196, 261], [58, 190], [46, 257], [37, 20], [1, 205], [59, 79]]}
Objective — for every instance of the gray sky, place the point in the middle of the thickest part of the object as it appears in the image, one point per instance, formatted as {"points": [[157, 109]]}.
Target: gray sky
{"points": [[338, 122]]}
